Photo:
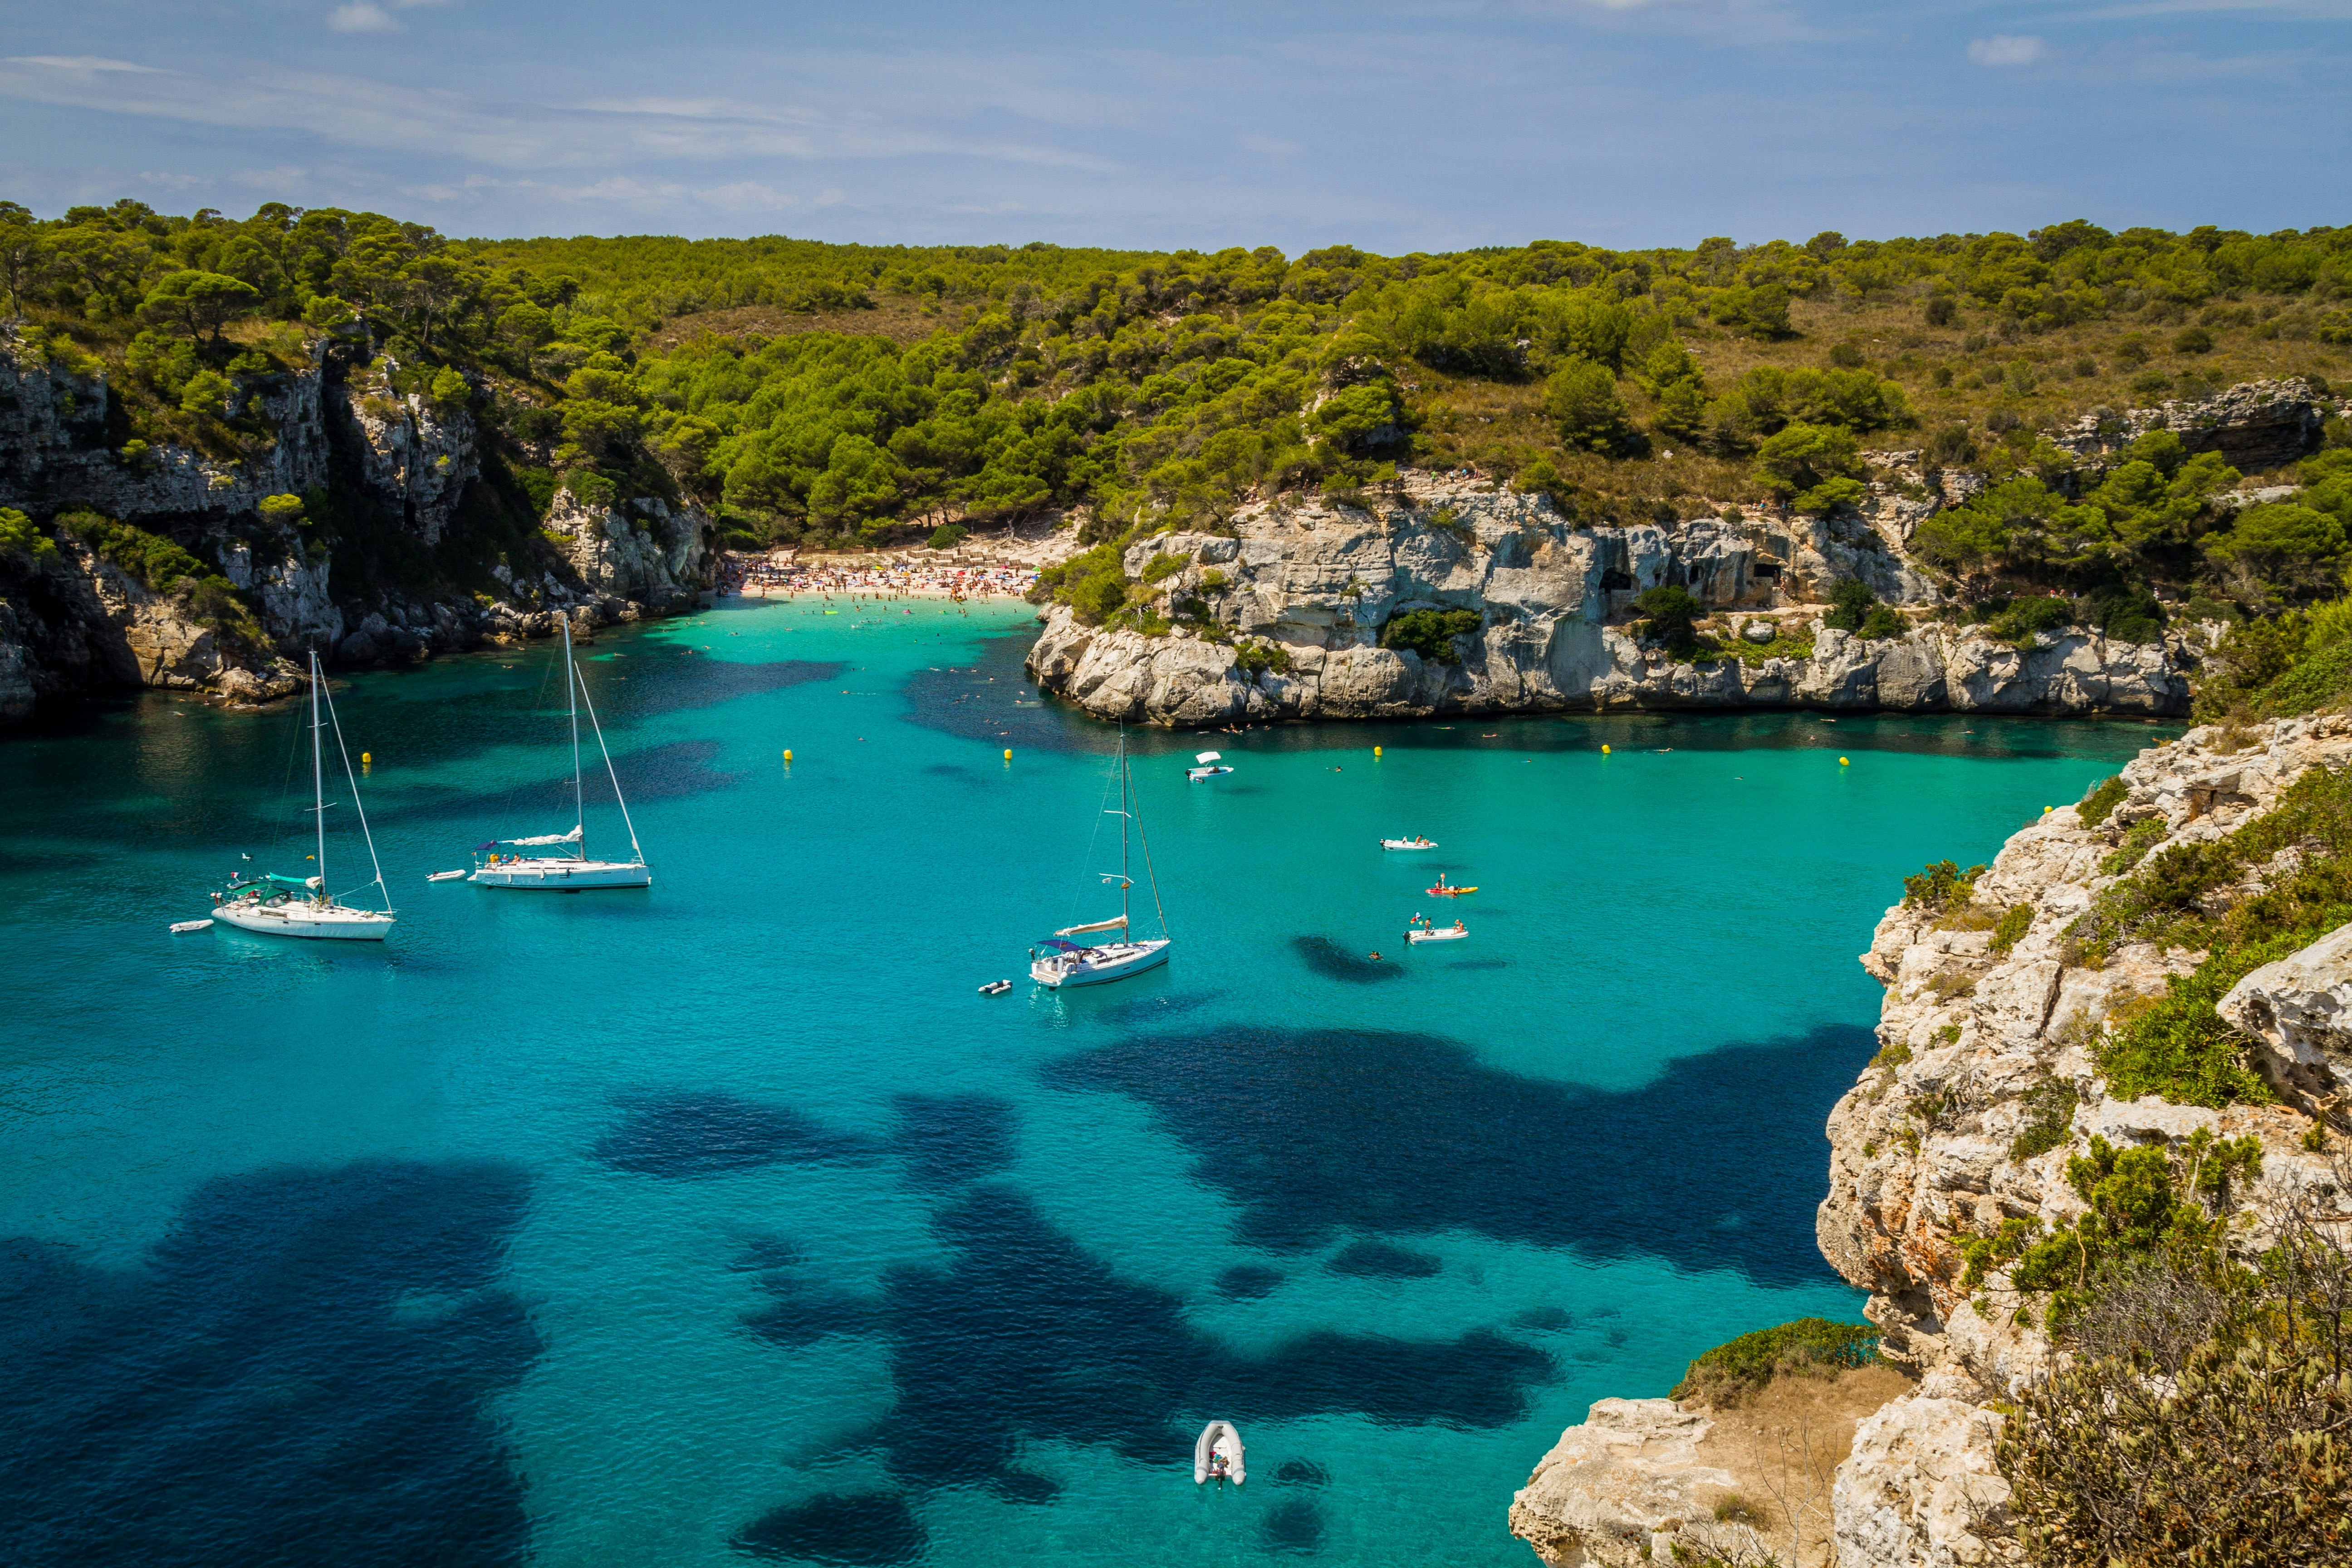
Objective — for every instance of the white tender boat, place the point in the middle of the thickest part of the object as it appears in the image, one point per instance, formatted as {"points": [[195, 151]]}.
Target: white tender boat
{"points": [[181, 926], [1218, 1453], [301, 905], [1211, 765], [444, 876], [1066, 963], [1426, 932], [1408, 844], [572, 873]]}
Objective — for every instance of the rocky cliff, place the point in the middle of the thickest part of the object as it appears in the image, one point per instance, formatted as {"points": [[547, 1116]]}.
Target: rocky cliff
{"points": [[1983, 1040], [73, 620], [1302, 593]]}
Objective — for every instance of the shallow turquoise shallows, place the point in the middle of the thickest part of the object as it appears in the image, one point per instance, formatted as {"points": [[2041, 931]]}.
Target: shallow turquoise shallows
{"points": [[727, 1222]]}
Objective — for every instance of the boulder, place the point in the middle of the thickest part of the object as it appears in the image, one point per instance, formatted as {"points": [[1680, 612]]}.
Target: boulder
{"points": [[1920, 1490], [1627, 1486], [2300, 1008]]}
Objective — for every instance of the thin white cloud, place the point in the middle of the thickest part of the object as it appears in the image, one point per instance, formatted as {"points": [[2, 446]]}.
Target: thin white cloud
{"points": [[361, 16], [2007, 50], [84, 63]]}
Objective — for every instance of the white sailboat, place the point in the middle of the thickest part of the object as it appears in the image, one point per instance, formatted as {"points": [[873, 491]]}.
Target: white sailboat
{"points": [[574, 872], [301, 905], [1065, 963]]}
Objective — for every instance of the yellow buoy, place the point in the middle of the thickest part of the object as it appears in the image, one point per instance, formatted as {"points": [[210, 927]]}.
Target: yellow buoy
{"points": [[1841, 762], [1604, 748], [1376, 751], [367, 756], [788, 753], [2048, 809], [1008, 753]]}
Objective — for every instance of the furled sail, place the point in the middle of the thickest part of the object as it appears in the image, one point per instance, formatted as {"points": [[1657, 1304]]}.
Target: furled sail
{"points": [[570, 838], [1115, 923]]}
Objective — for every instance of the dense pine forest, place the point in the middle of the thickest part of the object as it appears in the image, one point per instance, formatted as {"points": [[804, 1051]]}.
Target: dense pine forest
{"points": [[844, 393]]}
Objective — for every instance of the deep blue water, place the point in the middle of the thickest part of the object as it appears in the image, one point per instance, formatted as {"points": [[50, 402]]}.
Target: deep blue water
{"points": [[725, 1223]]}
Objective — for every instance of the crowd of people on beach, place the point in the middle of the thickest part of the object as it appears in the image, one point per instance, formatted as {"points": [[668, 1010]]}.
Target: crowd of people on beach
{"points": [[769, 577]]}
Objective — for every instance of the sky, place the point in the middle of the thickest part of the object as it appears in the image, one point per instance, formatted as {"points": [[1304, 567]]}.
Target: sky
{"points": [[1397, 125]]}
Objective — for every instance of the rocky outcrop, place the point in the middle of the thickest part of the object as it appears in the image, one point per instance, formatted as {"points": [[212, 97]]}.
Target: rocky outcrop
{"points": [[1921, 1488], [2300, 1008], [416, 456], [644, 550], [2256, 425], [73, 622], [1303, 594], [1629, 1485]]}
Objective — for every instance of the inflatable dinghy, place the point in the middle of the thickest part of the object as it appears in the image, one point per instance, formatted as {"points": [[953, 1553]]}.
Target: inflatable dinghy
{"points": [[1408, 844], [1218, 1453]]}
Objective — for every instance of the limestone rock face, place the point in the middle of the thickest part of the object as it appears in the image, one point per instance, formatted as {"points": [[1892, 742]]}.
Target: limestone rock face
{"points": [[1627, 1486], [417, 457], [1921, 1488], [54, 455], [2254, 424], [1306, 592], [2301, 1009], [646, 552]]}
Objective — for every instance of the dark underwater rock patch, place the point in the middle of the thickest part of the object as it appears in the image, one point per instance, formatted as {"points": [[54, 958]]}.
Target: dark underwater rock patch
{"points": [[1293, 1526], [704, 1133], [1316, 1132], [1332, 962], [947, 1140], [1379, 1260], [1248, 1282], [266, 1388], [1302, 1473], [860, 1530]]}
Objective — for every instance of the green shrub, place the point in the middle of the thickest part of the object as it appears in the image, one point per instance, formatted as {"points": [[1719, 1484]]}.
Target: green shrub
{"points": [[1891, 1055], [21, 542], [947, 536], [287, 509], [1743, 1366], [2012, 929], [2138, 840], [1671, 611], [1431, 633], [1212, 580], [2176, 1046], [1941, 886], [1254, 657], [2049, 1119], [2031, 615], [2102, 798], [1166, 565]]}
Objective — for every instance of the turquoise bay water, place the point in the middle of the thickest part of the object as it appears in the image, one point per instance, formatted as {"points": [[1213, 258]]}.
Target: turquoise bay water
{"points": [[725, 1222]]}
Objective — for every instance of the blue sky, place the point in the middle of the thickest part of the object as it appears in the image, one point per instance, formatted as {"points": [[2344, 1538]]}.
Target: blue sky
{"points": [[1393, 124]]}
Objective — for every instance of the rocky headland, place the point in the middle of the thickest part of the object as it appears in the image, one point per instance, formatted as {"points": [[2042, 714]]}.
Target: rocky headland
{"points": [[1989, 1080], [1288, 612], [403, 470]]}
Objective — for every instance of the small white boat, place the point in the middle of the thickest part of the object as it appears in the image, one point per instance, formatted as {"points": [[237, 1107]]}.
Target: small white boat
{"points": [[996, 988], [1064, 963], [301, 905], [1209, 768], [574, 872], [1408, 843], [1428, 932], [444, 876], [181, 928], [1218, 1453]]}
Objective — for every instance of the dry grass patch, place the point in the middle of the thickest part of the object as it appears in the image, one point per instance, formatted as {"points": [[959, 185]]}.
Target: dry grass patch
{"points": [[1782, 1445]]}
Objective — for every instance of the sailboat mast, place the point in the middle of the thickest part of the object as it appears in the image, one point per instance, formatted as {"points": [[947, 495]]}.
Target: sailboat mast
{"points": [[571, 697], [1126, 930], [318, 781]]}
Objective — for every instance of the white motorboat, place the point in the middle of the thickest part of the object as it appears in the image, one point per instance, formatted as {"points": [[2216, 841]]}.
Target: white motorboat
{"points": [[444, 876], [1408, 843], [180, 928], [1422, 931], [301, 905], [1065, 963], [1209, 767], [1217, 1453], [496, 867]]}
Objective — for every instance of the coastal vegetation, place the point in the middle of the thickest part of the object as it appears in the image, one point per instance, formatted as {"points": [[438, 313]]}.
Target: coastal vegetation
{"points": [[1807, 1347]]}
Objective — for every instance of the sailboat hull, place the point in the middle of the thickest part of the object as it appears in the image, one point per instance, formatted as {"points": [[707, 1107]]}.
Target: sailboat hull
{"points": [[1099, 965], [333, 923], [563, 876]]}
